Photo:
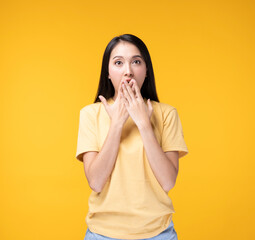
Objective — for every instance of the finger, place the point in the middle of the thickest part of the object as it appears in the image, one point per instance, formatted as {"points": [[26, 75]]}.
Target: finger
{"points": [[125, 92], [103, 100], [119, 90], [150, 108], [118, 96], [137, 90], [149, 105], [129, 90], [125, 103], [131, 84], [123, 99], [133, 87]]}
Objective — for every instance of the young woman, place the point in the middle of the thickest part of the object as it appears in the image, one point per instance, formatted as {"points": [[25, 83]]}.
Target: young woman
{"points": [[130, 145]]}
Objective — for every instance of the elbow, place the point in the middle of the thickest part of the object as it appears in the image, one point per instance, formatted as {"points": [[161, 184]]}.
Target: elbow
{"points": [[96, 190], [95, 187], [168, 187]]}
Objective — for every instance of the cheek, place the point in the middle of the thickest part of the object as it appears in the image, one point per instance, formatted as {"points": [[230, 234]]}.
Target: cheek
{"points": [[115, 76], [114, 71], [141, 72]]}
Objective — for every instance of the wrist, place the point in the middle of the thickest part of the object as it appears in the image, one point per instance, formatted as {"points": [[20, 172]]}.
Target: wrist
{"points": [[116, 124], [146, 125]]}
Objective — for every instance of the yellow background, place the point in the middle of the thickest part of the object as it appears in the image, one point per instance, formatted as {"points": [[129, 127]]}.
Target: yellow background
{"points": [[203, 58]]}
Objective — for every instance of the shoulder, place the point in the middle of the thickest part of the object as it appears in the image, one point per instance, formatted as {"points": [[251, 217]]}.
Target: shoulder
{"points": [[164, 108], [93, 107], [90, 109]]}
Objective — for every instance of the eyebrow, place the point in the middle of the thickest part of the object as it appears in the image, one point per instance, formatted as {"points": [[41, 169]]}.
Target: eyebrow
{"points": [[132, 57]]}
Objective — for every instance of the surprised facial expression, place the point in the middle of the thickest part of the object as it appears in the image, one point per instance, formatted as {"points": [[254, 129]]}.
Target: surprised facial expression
{"points": [[125, 63]]}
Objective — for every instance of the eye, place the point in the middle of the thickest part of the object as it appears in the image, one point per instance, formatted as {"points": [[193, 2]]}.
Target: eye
{"points": [[137, 61], [117, 62]]}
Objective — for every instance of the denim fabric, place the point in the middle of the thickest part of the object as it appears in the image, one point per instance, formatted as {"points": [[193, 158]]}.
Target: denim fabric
{"points": [[168, 234]]}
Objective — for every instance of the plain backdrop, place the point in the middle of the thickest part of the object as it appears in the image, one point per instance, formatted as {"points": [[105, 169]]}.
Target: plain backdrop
{"points": [[203, 59]]}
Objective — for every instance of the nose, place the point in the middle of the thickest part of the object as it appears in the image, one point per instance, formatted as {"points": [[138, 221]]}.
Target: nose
{"points": [[128, 71]]}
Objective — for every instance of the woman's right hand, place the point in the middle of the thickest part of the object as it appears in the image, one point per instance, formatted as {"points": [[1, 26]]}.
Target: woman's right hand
{"points": [[116, 111]]}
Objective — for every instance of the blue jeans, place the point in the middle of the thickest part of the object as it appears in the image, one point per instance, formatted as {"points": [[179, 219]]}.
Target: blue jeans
{"points": [[168, 234]]}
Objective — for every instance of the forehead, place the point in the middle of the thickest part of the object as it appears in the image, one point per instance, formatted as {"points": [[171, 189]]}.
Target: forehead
{"points": [[125, 49]]}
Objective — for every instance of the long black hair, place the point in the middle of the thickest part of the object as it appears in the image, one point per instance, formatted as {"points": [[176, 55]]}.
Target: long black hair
{"points": [[106, 89]]}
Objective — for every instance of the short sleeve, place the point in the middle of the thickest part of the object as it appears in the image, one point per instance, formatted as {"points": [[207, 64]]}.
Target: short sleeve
{"points": [[172, 135], [87, 138]]}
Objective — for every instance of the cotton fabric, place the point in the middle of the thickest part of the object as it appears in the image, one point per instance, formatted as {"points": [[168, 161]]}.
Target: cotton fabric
{"points": [[168, 234], [132, 204]]}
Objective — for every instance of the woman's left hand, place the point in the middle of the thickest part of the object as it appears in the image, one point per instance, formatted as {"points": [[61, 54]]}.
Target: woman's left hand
{"points": [[136, 107]]}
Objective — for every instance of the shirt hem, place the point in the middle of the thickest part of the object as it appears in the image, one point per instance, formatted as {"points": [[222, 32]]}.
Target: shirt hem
{"points": [[133, 236], [184, 151], [88, 149]]}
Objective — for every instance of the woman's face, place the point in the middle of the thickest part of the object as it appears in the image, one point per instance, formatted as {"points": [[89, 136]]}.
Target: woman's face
{"points": [[125, 63]]}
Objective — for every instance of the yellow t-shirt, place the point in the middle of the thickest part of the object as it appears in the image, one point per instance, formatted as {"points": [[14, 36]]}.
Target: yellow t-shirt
{"points": [[132, 204]]}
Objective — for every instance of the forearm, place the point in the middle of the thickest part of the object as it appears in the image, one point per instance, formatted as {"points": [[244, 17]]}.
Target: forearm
{"points": [[162, 167], [102, 166]]}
